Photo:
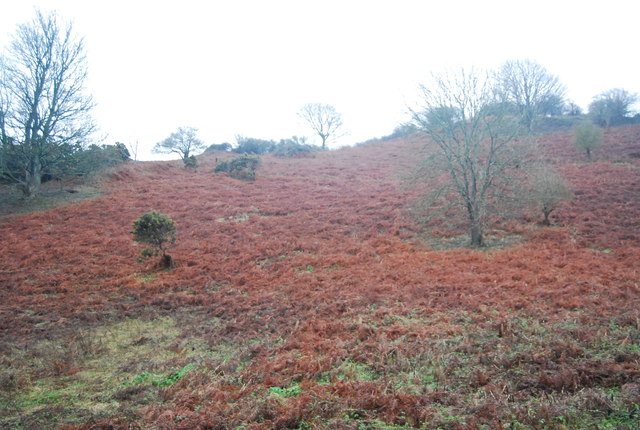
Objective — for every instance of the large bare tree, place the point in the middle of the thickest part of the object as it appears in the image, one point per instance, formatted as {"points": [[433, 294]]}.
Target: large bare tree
{"points": [[44, 111], [530, 88], [323, 119], [475, 143]]}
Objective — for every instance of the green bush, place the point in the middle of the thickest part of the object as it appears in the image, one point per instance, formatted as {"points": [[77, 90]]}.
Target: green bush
{"points": [[191, 161], [587, 137], [243, 168], [159, 232]]}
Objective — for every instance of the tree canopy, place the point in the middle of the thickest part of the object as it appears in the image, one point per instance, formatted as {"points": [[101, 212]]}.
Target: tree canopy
{"points": [[44, 111]]}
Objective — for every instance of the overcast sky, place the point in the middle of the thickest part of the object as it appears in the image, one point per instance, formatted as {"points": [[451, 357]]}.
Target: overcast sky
{"points": [[246, 67]]}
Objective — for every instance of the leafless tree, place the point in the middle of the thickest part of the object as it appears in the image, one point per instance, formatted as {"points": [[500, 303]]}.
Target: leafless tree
{"points": [[182, 142], [133, 149], [475, 138], [323, 119], [44, 111], [529, 87]]}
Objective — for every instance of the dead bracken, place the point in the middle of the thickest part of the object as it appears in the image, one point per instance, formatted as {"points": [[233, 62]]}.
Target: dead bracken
{"points": [[316, 305]]}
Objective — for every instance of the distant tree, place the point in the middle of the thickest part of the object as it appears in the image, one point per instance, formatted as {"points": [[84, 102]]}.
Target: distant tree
{"points": [[571, 109], [552, 105], [531, 88], [547, 189], [159, 232], [475, 142], [587, 137], [611, 107], [182, 142], [44, 111], [133, 150], [323, 119]]}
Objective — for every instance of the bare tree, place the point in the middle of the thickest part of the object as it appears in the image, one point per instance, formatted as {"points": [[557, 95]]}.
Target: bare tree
{"points": [[182, 142], [133, 149], [530, 88], [44, 112], [547, 189], [475, 139], [611, 107], [323, 119]]}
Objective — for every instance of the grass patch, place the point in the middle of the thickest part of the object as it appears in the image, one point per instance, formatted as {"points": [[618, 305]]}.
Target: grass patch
{"points": [[52, 195], [96, 371]]}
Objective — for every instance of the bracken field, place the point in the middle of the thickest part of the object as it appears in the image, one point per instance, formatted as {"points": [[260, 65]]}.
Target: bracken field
{"points": [[313, 298]]}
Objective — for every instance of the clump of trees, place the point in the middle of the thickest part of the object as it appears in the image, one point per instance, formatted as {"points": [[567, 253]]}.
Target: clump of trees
{"points": [[290, 147], [294, 147], [96, 157], [183, 142], [252, 145], [612, 107], [587, 137], [224, 147], [44, 110], [159, 232]]}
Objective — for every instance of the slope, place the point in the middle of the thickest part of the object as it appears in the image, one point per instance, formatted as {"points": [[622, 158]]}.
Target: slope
{"points": [[305, 299]]}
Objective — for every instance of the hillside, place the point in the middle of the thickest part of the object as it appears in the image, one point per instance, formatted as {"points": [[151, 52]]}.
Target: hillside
{"points": [[308, 299]]}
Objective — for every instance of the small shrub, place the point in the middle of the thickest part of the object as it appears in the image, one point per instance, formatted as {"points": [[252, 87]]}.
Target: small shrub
{"points": [[587, 137], [191, 162], [159, 232], [243, 168]]}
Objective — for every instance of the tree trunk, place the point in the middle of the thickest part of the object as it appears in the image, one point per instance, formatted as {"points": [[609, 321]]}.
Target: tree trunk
{"points": [[475, 225], [546, 221], [476, 235], [167, 262], [32, 180]]}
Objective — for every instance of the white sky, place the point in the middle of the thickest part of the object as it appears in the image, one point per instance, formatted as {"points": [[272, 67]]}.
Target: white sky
{"points": [[246, 67]]}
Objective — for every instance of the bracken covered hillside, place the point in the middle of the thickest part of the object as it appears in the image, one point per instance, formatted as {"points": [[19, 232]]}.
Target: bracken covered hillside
{"points": [[309, 299]]}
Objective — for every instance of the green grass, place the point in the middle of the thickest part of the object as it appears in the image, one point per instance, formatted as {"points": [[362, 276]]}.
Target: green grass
{"points": [[96, 368]]}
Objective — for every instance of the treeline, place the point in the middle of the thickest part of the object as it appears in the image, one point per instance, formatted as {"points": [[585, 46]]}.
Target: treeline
{"points": [[285, 147]]}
